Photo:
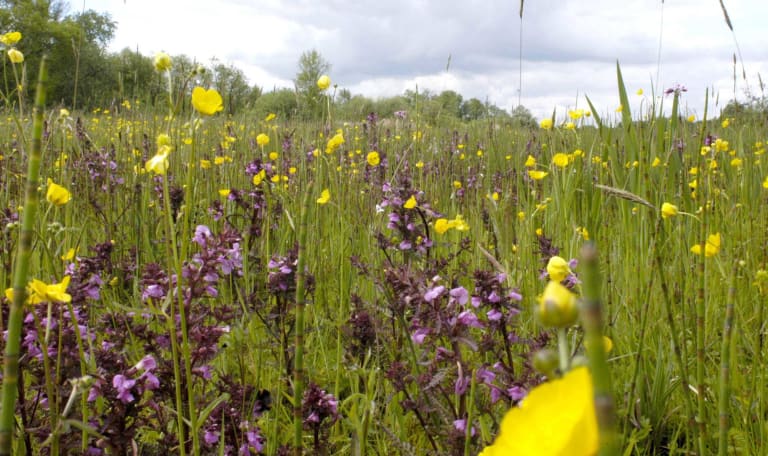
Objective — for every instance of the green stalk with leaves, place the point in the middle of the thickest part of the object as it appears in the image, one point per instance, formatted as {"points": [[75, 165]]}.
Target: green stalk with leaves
{"points": [[298, 372], [21, 273]]}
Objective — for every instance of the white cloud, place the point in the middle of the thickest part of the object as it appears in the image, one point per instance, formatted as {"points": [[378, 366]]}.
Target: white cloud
{"points": [[570, 47]]}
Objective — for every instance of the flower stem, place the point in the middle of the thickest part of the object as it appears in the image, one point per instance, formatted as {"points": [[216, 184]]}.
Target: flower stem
{"points": [[21, 272], [563, 350], [591, 318], [298, 371]]}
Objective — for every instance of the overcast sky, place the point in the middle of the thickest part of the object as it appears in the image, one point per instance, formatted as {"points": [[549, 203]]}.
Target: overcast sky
{"points": [[382, 48]]}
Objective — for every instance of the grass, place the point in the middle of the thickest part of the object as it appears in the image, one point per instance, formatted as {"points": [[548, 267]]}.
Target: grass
{"points": [[391, 362]]}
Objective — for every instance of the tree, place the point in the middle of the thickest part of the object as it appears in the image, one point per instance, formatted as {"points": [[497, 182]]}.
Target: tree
{"points": [[473, 109], [522, 117], [74, 44], [233, 87], [281, 102], [312, 65]]}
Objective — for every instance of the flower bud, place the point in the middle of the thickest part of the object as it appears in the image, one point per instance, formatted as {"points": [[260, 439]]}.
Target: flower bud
{"points": [[162, 62], [546, 361], [558, 269], [557, 306]]}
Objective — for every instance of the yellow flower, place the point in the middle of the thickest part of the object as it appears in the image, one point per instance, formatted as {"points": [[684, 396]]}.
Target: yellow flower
{"points": [[159, 163], [323, 82], [711, 247], [15, 55], [419, 164], [692, 118], [206, 102], [273, 156], [620, 108], [162, 62], [457, 184], [656, 162], [10, 38], [576, 114], [546, 124], [558, 269], [530, 162], [259, 177], [325, 196], [56, 194], [334, 143], [537, 175], [224, 192], [205, 164], [270, 117], [736, 162], [69, 255], [262, 139], [560, 160], [373, 158], [39, 291], [765, 182], [639, 92], [725, 123], [411, 203], [442, 225], [557, 418], [668, 210]]}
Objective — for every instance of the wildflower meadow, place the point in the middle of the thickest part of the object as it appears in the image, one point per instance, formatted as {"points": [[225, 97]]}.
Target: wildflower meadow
{"points": [[184, 280]]}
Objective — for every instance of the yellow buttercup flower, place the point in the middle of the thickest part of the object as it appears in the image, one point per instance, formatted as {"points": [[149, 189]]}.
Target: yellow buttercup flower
{"points": [[557, 418], [669, 210], [270, 117], [206, 102], [323, 82], [325, 196], [162, 62], [560, 160], [537, 175], [10, 38], [710, 248], [765, 182], [39, 291], [159, 163], [442, 225], [557, 269], [56, 194], [546, 124], [411, 203], [373, 158], [262, 139], [530, 162], [15, 55], [334, 143]]}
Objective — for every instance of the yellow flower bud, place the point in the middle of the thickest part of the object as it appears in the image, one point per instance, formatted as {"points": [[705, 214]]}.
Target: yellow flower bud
{"points": [[162, 62], [557, 306]]}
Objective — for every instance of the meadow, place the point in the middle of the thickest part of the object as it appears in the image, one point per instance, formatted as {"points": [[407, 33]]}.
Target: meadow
{"points": [[197, 283]]}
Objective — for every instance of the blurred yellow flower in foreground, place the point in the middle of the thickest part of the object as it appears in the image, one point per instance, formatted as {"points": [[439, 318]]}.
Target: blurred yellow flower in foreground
{"points": [[710, 248], [557, 418], [56, 194], [159, 163], [15, 55], [10, 38], [557, 306], [206, 102]]}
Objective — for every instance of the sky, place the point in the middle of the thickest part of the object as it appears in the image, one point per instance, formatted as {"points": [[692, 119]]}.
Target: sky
{"points": [[382, 48]]}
